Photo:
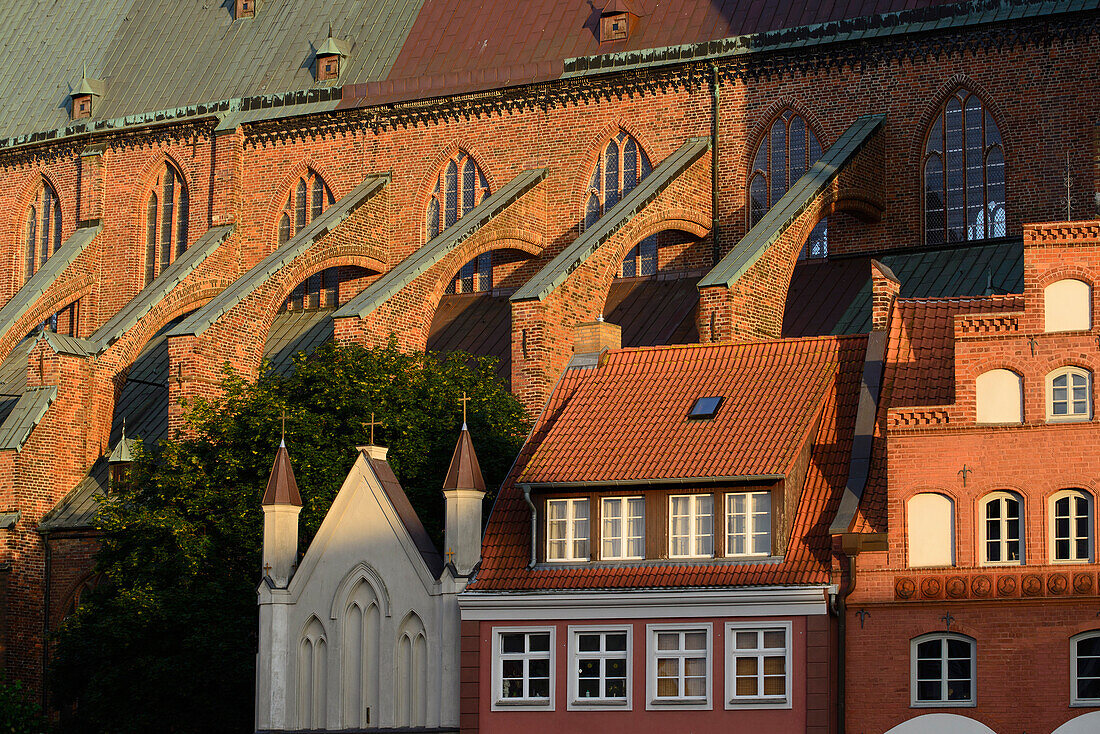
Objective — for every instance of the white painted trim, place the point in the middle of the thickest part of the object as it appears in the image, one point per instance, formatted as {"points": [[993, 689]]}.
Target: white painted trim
{"points": [[497, 703], [1073, 699], [573, 703], [769, 601], [651, 702], [942, 703], [732, 702]]}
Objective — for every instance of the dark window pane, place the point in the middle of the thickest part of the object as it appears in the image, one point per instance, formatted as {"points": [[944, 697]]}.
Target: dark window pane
{"points": [[616, 642], [779, 160], [616, 688], [469, 185], [933, 201], [512, 642], [956, 229], [450, 185], [540, 668], [318, 198], [958, 649], [181, 220], [630, 166], [928, 691], [958, 690], [588, 688], [512, 668], [301, 205], [611, 176], [539, 688], [539, 642], [588, 643]]}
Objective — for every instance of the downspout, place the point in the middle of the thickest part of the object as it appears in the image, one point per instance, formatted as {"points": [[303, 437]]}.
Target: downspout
{"points": [[46, 621], [715, 250], [839, 608], [534, 523]]}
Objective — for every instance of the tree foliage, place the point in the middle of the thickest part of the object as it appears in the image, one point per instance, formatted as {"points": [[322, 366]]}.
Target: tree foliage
{"points": [[18, 713], [167, 640]]}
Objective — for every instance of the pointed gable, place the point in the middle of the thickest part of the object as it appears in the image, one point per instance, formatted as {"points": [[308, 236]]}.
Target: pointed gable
{"points": [[282, 488], [464, 472]]}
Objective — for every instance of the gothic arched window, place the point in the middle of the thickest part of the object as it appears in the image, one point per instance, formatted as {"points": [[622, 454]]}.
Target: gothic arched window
{"points": [[411, 674], [788, 150], [622, 164], [964, 173], [308, 198], [43, 228], [166, 212], [460, 186]]}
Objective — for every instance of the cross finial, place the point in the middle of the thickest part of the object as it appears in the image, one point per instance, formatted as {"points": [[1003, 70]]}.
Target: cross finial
{"points": [[451, 557], [282, 434], [464, 400], [372, 423], [267, 568], [964, 472]]}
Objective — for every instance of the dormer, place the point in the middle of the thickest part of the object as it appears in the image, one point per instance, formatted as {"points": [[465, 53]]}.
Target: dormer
{"points": [[83, 98], [617, 20], [245, 9], [329, 55]]}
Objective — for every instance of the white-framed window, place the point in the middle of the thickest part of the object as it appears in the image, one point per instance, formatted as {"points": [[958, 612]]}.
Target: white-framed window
{"points": [[678, 666], [748, 524], [758, 665], [523, 668], [691, 526], [1069, 395], [622, 533], [567, 530], [1071, 526], [1001, 529], [599, 667], [1084, 670], [942, 670]]}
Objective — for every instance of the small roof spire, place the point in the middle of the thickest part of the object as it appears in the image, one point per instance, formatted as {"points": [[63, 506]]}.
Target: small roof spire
{"points": [[464, 472], [282, 488], [122, 453]]}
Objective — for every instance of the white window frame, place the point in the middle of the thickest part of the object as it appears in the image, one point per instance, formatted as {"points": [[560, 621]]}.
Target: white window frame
{"points": [[499, 702], [624, 520], [1052, 531], [575, 702], [571, 538], [1070, 371], [1000, 496], [653, 703], [1073, 698], [733, 701], [751, 530], [942, 703], [694, 535]]}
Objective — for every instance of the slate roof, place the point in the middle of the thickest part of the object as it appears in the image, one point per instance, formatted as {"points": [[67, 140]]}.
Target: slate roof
{"points": [[833, 296], [293, 332], [24, 416], [475, 323], [814, 364], [654, 311], [409, 518], [77, 509]]}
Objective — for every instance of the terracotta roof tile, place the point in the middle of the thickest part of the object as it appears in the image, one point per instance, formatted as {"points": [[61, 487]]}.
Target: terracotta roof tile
{"points": [[586, 400]]}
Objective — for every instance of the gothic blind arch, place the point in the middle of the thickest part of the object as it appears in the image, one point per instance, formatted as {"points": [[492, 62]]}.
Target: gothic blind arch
{"points": [[411, 673], [963, 173], [361, 625], [308, 198], [312, 675], [166, 213], [43, 227]]}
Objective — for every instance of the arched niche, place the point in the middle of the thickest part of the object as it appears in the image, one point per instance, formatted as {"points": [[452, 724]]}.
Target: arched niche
{"points": [[930, 528], [1067, 306], [999, 396]]}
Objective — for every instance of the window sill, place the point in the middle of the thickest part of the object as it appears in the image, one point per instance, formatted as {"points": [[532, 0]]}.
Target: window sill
{"points": [[525, 704], [600, 704], [696, 704], [943, 705], [1069, 418], [757, 704], [1090, 704]]}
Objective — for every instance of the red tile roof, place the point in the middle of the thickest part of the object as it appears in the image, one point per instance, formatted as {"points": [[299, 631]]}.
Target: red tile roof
{"points": [[774, 389]]}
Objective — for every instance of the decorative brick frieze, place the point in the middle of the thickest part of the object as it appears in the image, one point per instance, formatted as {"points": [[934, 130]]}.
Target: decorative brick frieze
{"points": [[995, 583]]}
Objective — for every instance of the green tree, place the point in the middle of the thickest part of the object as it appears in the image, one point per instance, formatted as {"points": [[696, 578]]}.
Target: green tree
{"points": [[18, 714], [167, 640]]}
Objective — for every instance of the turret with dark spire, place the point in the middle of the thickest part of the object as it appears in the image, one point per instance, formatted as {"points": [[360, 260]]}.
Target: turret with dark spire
{"points": [[281, 504]]}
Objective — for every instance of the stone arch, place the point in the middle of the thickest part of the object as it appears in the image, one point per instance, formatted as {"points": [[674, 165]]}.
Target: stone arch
{"points": [[682, 220], [594, 149], [277, 200], [50, 303], [360, 635], [525, 241], [365, 572], [312, 674], [941, 724], [146, 182], [411, 673], [83, 585]]}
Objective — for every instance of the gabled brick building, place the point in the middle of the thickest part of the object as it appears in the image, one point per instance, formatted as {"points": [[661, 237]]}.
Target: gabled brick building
{"points": [[177, 198]]}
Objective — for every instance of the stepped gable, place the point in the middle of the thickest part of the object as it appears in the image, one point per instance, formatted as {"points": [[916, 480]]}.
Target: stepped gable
{"points": [[606, 423]]}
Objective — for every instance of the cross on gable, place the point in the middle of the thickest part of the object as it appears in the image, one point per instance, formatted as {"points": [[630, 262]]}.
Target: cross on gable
{"points": [[267, 568], [371, 424], [450, 557], [464, 400]]}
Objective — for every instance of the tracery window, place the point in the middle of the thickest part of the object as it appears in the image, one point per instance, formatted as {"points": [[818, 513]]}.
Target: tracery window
{"points": [[788, 150], [308, 200], [166, 212], [964, 173], [43, 228], [475, 276], [460, 186], [622, 165]]}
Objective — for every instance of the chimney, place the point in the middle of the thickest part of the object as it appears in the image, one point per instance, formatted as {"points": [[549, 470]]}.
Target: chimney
{"points": [[617, 20], [464, 490], [82, 99], [281, 504], [592, 337], [884, 289], [245, 9], [329, 56]]}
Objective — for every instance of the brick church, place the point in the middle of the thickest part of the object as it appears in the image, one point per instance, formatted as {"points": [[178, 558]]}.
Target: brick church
{"points": [[868, 500]]}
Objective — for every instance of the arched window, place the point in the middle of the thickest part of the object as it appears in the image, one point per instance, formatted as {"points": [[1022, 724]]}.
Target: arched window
{"points": [[43, 228], [1071, 526], [1067, 306], [166, 212], [999, 396], [1001, 529], [362, 620], [411, 679], [1084, 650], [941, 670], [312, 669], [475, 276], [964, 173], [1069, 394], [788, 150], [308, 198], [930, 522], [459, 187]]}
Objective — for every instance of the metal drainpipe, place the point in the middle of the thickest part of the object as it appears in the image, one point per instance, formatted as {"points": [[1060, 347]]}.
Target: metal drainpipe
{"points": [[534, 523], [841, 607], [46, 620], [715, 251]]}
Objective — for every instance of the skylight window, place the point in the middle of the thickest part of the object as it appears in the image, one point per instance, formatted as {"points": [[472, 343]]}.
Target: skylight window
{"points": [[705, 408]]}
